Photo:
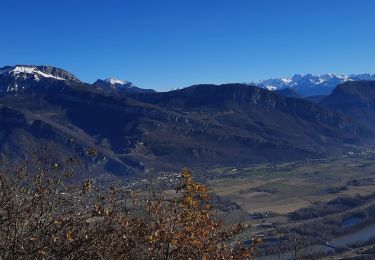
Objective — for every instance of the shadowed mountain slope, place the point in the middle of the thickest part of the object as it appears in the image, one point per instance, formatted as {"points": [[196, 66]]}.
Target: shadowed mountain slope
{"points": [[199, 126], [355, 99]]}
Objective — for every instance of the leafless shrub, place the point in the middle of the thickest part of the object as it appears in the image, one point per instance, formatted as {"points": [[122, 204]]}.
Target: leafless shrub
{"points": [[42, 216]]}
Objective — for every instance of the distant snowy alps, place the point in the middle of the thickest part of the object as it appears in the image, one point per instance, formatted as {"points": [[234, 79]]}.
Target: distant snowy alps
{"points": [[309, 84]]}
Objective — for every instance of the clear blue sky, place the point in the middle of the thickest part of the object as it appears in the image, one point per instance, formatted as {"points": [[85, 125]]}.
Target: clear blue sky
{"points": [[165, 44]]}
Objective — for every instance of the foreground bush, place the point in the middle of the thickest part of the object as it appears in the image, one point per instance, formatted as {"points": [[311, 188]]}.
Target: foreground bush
{"points": [[42, 217]]}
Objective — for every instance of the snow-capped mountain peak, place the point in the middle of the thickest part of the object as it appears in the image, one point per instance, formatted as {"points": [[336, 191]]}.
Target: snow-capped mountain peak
{"points": [[114, 81], [117, 85], [14, 78], [311, 84]]}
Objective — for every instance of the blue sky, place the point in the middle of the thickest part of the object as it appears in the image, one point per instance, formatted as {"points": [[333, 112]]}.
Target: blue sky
{"points": [[166, 44]]}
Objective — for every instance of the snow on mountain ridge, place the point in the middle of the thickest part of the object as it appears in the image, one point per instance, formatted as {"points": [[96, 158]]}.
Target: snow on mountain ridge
{"points": [[311, 84], [120, 86], [19, 70], [20, 77], [36, 72], [114, 81]]}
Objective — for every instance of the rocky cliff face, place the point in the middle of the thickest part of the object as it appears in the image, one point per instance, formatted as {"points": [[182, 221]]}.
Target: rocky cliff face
{"points": [[58, 73]]}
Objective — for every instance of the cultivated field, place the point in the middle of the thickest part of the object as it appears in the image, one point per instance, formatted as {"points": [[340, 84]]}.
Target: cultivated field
{"points": [[284, 188]]}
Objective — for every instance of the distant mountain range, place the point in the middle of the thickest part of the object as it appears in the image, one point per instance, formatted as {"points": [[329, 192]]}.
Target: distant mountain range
{"points": [[300, 84], [309, 84], [199, 126]]}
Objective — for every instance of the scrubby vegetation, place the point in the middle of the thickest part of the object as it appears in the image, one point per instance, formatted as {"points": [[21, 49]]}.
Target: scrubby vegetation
{"points": [[44, 216]]}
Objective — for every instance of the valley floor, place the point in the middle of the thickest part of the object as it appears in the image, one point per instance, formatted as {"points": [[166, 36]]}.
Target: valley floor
{"points": [[287, 187], [270, 194]]}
